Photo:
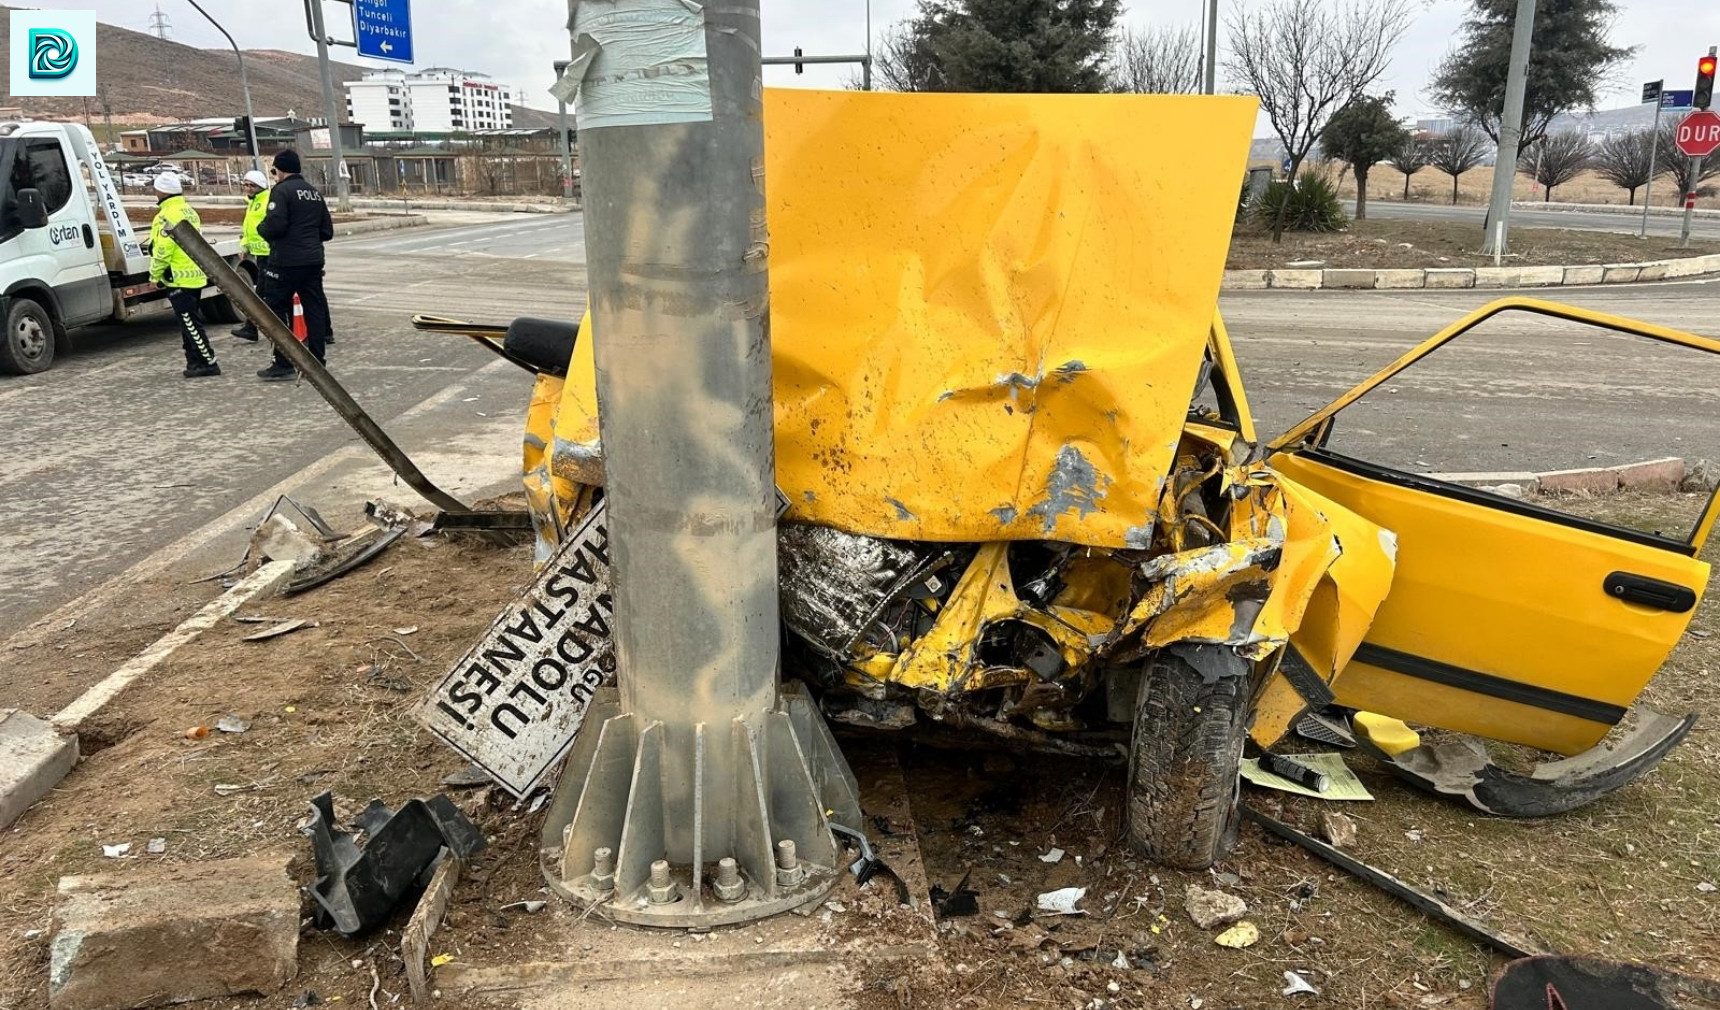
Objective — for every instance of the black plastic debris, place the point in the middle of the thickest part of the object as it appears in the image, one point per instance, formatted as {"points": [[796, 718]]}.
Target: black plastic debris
{"points": [[869, 865], [961, 901], [358, 887]]}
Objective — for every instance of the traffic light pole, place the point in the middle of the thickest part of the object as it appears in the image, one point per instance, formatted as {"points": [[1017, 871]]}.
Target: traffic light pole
{"points": [[1690, 203], [1701, 97]]}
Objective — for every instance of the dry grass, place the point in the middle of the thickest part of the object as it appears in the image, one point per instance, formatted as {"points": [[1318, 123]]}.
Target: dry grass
{"points": [[1475, 186], [1378, 243]]}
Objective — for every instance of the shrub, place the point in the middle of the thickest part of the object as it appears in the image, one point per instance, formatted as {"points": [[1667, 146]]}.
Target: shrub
{"points": [[1311, 205]]}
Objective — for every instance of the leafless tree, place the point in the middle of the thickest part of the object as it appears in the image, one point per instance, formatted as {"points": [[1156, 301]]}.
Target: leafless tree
{"points": [[1459, 151], [1412, 156], [1626, 159], [1556, 159], [1156, 61], [900, 62], [1306, 59], [1678, 163]]}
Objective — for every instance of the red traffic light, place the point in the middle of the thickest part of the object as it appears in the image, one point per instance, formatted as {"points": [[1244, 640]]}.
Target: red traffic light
{"points": [[1705, 66]]}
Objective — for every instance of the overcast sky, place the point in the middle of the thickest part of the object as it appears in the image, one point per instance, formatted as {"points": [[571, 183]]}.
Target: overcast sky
{"points": [[509, 39]]}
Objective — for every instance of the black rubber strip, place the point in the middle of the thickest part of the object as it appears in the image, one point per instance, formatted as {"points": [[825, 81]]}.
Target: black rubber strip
{"points": [[1437, 672]]}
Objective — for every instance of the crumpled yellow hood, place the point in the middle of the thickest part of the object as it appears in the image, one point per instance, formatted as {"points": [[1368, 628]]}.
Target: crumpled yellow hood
{"points": [[988, 312]]}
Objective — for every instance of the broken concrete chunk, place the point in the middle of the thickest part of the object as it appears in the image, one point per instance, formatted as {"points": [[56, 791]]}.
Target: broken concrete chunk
{"points": [[1701, 477], [33, 760], [1338, 829], [280, 539], [1211, 909], [195, 931]]}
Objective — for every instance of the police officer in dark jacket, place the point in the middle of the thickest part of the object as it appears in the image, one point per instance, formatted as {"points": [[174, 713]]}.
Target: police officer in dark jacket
{"points": [[296, 226]]}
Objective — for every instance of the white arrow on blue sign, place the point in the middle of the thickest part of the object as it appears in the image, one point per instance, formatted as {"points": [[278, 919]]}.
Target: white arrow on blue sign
{"points": [[383, 29]]}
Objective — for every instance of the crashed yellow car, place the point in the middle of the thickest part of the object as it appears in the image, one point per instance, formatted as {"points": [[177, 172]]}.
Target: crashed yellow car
{"points": [[1024, 495]]}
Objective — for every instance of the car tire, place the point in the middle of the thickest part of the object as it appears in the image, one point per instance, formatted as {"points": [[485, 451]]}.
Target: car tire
{"points": [[28, 344], [1185, 760]]}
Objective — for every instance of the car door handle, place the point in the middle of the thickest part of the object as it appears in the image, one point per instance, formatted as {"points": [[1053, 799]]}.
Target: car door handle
{"points": [[89, 237], [1649, 592]]}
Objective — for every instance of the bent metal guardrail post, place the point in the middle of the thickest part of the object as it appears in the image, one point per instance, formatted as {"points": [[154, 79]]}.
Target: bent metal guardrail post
{"points": [[702, 765]]}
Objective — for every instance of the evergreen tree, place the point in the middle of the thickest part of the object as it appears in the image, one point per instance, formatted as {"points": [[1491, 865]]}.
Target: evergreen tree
{"points": [[1003, 45]]}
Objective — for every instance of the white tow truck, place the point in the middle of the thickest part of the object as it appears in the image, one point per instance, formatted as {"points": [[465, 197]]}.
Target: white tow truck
{"points": [[69, 256]]}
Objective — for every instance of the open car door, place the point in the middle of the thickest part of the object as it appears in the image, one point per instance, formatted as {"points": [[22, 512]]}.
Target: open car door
{"points": [[1507, 619]]}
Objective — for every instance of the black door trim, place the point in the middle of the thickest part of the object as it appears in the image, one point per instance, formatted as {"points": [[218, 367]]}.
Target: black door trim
{"points": [[1434, 671], [1474, 496]]}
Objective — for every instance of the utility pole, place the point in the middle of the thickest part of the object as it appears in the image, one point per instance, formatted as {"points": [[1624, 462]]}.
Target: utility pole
{"points": [[566, 141], [337, 162], [1209, 86], [107, 116], [244, 85], [1496, 241]]}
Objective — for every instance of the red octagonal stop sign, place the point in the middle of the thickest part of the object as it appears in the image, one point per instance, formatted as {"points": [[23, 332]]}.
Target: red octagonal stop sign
{"points": [[1699, 134]]}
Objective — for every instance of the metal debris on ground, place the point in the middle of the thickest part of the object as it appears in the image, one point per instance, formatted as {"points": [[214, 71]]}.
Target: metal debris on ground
{"points": [[869, 865], [1062, 901], [116, 851], [964, 900], [283, 628], [469, 777], [1295, 985], [232, 724], [156, 846], [1243, 934], [343, 557], [1330, 727], [357, 888], [1510, 946]]}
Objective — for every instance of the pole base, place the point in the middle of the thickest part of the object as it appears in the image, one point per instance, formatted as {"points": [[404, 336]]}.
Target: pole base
{"points": [[792, 782]]}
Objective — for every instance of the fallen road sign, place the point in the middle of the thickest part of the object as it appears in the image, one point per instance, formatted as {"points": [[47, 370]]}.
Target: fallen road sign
{"points": [[514, 703]]}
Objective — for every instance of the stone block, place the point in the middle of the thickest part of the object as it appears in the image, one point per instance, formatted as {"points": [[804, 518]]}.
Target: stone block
{"points": [[1245, 280], [1689, 266], [1450, 277], [190, 932], [1651, 475], [1541, 277], [1353, 279], [33, 760], [1307, 280], [1498, 277], [1585, 275], [1492, 478], [1652, 271], [1586, 481], [1622, 273], [1400, 278]]}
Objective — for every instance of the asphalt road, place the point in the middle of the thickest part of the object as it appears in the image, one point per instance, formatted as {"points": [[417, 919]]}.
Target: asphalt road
{"points": [[111, 455], [1700, 227]]}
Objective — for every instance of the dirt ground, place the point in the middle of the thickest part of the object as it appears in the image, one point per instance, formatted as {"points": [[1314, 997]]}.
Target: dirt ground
{"points": [[1379, 244], [329, 709]]}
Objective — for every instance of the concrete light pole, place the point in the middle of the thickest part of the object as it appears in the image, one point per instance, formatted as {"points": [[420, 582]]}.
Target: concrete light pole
{"points": [[701, 764], [244, 84], [1496, 241]]}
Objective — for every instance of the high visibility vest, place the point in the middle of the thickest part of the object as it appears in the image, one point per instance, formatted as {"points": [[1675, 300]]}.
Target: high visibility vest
{"points": [[168, 264], [249, 239]]}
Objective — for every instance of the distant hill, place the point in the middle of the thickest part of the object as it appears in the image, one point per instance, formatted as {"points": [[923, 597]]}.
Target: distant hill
{"points": [[151, 81]]}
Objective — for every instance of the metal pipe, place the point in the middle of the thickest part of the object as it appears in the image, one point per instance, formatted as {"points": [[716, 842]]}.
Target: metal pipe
{"points": [[677, 257], [1510, 130], [1653, 150], [244, 84], [337, 162], [1210, 84], [234, 287]]}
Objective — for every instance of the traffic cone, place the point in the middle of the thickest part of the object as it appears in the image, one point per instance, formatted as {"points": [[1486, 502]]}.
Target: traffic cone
{"points": [[299, 329]]}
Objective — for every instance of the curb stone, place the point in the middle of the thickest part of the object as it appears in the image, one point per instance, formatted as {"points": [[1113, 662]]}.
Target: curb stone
{"points": [[1666, 474], [1352, 279]]}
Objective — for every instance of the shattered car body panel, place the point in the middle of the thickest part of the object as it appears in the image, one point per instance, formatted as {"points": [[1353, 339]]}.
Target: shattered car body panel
{"points": [[1008, 420]]}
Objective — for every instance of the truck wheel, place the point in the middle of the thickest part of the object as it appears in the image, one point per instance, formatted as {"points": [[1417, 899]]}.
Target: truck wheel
{"points": [[1184, 762], [28, 346]]}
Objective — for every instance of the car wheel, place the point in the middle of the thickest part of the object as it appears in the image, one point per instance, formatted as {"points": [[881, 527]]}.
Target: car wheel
{"points": [[28, 346], [1185, 760]]}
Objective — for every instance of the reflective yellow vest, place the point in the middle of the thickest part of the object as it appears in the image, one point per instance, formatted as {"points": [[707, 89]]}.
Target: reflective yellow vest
{"points": [[168, 263], [249, 239]]}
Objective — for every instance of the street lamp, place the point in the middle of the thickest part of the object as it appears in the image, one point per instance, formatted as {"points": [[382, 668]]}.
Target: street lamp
{"points": [[244, 84]]}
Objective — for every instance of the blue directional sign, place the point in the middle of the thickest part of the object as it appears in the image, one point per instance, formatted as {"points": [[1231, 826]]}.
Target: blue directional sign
{"points": [[384, 29], [1676, 99]]}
